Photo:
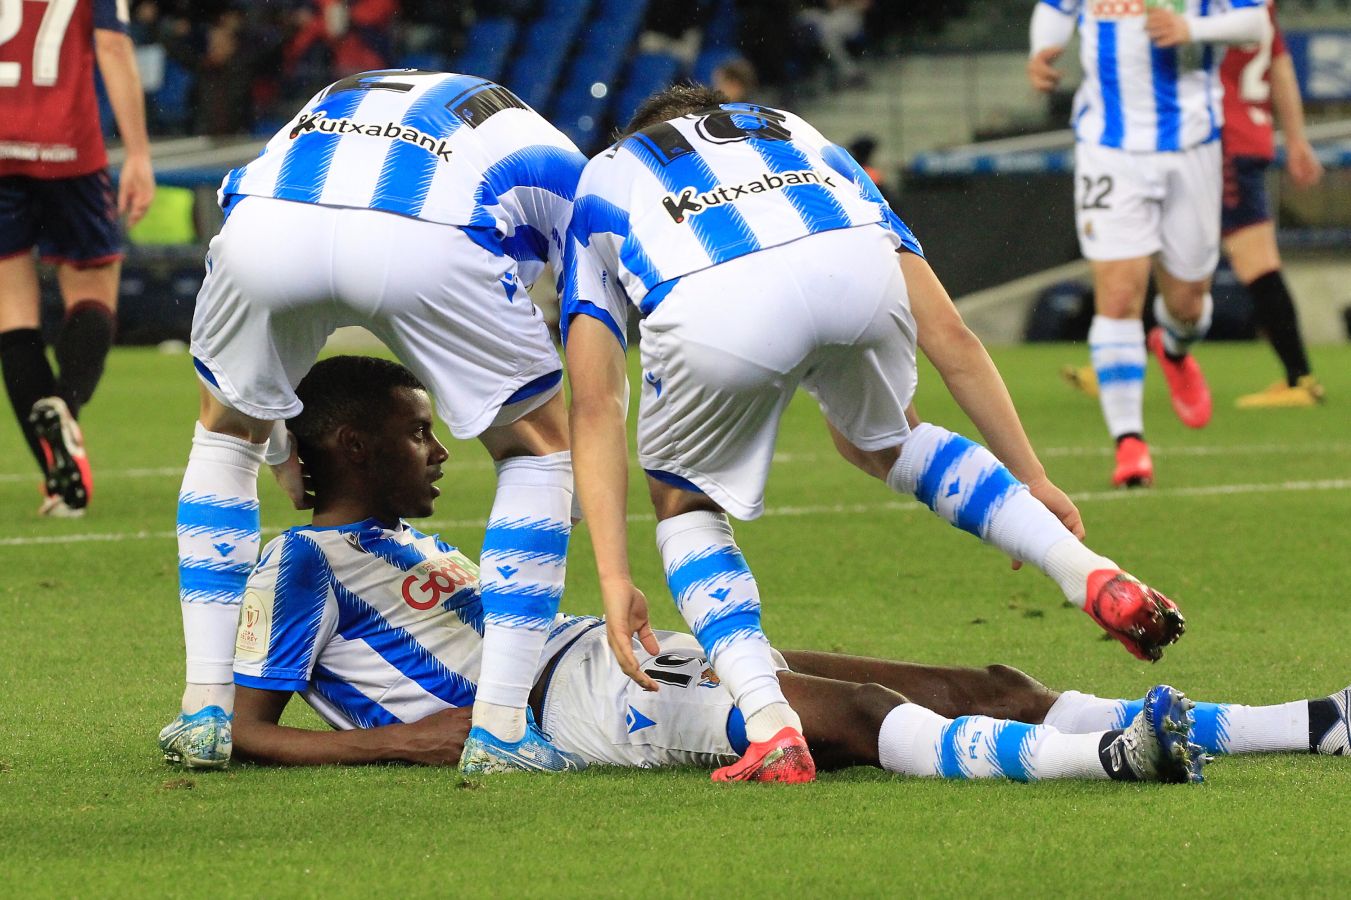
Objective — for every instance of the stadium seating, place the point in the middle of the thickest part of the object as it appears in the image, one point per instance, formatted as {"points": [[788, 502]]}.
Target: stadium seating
{"points": [[583, 104], [486, 48], [647, 74], [544, 51]]}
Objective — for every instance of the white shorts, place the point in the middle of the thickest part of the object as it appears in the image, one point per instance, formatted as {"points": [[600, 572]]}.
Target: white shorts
{"points": [[1132, 205], [592, 708], [725, 350], [281, 276]]}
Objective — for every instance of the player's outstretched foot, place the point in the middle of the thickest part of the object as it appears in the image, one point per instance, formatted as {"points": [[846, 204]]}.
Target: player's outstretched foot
{"points": [[1186, 385], [487, 754], [783, 758], [1156, 746], [1138, 616], [1134, 467], [1081, 378], [68, 473], [1336, 739], [1305, 393], [54, 507], [200, 740]]}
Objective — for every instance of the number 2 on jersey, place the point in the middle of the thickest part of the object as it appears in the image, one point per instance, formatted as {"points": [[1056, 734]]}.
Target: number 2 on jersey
{"points": [[47, 47]]}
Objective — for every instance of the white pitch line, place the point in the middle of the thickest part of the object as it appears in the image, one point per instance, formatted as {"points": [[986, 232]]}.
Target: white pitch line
{"points": [[889, 506], [789, 458]]}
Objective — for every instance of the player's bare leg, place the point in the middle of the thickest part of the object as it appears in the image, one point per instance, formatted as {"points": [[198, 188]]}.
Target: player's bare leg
{"points": [[522, 570], [1116, 343], [219, 533], [1256, 261], [1183, 309], [968, 487], [849, 724], [717, 595]]}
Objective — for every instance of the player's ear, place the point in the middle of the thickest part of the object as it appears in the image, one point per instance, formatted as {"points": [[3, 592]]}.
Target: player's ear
{"points": [[353, 444]]}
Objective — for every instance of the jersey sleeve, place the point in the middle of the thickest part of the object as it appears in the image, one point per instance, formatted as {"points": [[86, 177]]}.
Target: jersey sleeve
{"points": [[539, 182], [842, 162], [282, 623], [591, 285], [112, 15]]}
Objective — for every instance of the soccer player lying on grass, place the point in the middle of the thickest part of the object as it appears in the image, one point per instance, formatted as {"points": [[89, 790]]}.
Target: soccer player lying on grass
{"points": [[379, 627]]}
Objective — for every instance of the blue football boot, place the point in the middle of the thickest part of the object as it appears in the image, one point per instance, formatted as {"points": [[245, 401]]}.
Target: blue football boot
{"points": [[486, 754], [1156, 745], [200, 740]]}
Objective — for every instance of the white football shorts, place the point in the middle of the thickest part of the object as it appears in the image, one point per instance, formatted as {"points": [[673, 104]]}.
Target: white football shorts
{"points": [[726, 349], [281, 276], [592, 708], [1132, 205]]}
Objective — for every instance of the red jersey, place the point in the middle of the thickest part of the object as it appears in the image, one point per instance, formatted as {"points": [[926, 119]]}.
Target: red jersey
{"points": [[1246, 75], [49, 116]]}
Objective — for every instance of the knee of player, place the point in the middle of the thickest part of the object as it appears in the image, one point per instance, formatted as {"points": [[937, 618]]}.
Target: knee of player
{"points": [[873, 701], [1021, 696], [877, 463]]}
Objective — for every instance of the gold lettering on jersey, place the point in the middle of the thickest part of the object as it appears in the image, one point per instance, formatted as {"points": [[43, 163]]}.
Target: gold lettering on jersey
{"points": [[255, 626]]}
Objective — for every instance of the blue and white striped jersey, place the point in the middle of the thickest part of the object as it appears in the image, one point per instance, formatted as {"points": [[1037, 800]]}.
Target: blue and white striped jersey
{"points": [[371, 625], [700, 190], [1138, 97], [454, 149]]}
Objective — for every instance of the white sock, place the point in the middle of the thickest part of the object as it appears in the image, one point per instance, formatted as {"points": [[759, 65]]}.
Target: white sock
{"points": [[1218, 727], [1178, 336], [1117, 348], [521, 573], [917, 741], [966, 485], [218, 537], [717, 595], [199, 696]]}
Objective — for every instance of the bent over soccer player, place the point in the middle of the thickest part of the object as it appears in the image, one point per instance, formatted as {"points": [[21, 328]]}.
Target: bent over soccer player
{"points": [[762, 257], [380, 628], [56, 196], [419, 205]]}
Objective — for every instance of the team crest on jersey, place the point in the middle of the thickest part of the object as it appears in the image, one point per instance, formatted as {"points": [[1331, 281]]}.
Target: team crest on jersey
{"points": [[320, 122], [1118, 9], [691, 202]]}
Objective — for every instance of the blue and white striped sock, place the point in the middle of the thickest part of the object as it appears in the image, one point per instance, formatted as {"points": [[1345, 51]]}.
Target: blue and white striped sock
{"points": [[218, 537], [917, 741], [1218, 727], [966, 485], [719, 599], [1178, 336], [1117, 347], [521, 572]]}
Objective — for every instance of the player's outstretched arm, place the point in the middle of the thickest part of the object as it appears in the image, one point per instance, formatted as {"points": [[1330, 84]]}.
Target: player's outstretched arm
{"points": [[434, 741], [1300, 160], [600, 464], [976, 385], [1050, 31], [117, 63]]}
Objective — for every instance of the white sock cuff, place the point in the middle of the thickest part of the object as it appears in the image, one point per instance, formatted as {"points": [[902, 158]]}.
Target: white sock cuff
{"points": [[212, 446], [1105, 331], [905, 727], [698, 520], [1182, 330], [553, 470], [904, 475]]}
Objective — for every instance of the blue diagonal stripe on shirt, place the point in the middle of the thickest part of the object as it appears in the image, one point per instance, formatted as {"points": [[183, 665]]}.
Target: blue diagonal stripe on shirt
{"points": [[551, 169], [1163, 66], [358, 621], [303, 578], [305, 169], [815, 204], [704, 568], [401, 556], [721, 230], [406, 177], [356, 706]]}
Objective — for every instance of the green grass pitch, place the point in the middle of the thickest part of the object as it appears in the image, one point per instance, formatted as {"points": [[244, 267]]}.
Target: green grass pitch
{"points": [[1247, 529]]}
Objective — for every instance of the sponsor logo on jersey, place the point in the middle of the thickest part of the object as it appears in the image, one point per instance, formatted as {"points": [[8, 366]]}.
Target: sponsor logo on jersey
{"points": [[691, 202], [436, 582], [1119, 9], [255, 627], [53, 153], [319, 121]]}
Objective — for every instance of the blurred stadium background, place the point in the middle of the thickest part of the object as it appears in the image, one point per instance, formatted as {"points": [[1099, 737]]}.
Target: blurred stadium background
{"points": [[929, 93]]}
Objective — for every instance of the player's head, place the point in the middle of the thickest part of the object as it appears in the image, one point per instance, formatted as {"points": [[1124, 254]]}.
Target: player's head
{"points": [[672, 103], [365, 437], [736, 79]]}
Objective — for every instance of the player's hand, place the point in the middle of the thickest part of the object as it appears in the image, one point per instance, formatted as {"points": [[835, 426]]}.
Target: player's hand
{"points": [[1166, 28], [438, 740], [135, 188], [1302, 164], [295, 481], [1058, 502], [625, 617], [1041, 70]]}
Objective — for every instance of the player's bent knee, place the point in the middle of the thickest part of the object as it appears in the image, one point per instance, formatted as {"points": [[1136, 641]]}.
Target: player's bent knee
{"points": [[1018, 695], [877, 463], [872, 701]]}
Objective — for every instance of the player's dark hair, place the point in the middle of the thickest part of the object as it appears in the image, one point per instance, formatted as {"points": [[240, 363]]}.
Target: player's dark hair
{"points": [[672, 103], [345, 390]]}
